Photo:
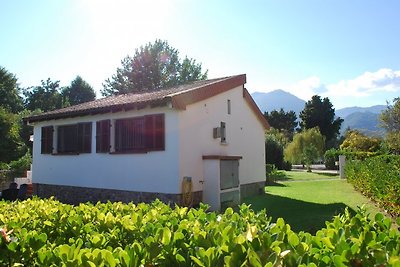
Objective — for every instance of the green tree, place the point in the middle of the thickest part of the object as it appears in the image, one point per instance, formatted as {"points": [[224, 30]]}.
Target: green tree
{"points": [[358, 142], [305, 145], [155, 65], [274, 149], [11, 145], [390, 121], [78, 92], [285, 122], [310, 154], [45, 97], [10, 99], [320, 113]]}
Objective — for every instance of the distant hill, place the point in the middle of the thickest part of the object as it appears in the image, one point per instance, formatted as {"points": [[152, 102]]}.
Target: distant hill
{"points": [[366, 122], [344, 112], [364, 119], [277, 99]]}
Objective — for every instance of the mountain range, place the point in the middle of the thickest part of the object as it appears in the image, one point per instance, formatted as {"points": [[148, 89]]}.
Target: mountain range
{"points": [[364, 119]]}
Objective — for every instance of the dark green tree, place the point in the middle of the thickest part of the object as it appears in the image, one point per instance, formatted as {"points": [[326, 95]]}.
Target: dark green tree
{"points": [[273, 152], [78, 92], [11, 145], [285, 122], [10, 99], [155, 65], [320, 113], [45, 97]]}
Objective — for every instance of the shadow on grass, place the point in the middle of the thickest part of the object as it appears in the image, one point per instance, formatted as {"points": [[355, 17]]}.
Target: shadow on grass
{"points": [[301, 215], [327, 174], [278, 176], [274, 183]]}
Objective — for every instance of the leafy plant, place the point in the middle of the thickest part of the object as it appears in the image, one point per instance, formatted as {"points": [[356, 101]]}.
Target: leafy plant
{"points": [[39, 232], [379, 179]]}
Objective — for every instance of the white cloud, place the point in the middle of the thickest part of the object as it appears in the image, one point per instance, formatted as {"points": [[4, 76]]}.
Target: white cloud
{"points": [[367, 84], [305, 89], [366, 87]]}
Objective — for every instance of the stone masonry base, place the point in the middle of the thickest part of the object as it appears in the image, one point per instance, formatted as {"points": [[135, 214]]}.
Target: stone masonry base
{"points": [[247, 190], [75, 195]]}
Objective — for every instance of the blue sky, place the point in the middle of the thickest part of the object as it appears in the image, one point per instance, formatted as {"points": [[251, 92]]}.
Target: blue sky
{"points": [[345, 50]]}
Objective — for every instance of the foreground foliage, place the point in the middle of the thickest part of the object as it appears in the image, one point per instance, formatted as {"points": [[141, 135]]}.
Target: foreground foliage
{"points": [[379, 179], [48, 233]]}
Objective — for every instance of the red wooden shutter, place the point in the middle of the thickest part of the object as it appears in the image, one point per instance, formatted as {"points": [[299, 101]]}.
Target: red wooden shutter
{"points": [[47, 140], [103, 136], [155, 132]]}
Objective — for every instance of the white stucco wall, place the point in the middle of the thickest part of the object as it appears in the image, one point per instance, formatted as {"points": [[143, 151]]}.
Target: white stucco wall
{"points": [[244, 137], [189, 136], [150, 172]]}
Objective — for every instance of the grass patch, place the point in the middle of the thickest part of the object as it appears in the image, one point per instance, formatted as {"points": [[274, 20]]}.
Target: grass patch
{"points": [[306, 202], [302, 175]]}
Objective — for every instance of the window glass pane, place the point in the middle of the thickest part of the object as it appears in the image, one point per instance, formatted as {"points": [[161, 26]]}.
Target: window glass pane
{"points": [[85, 137], [67, 139]]}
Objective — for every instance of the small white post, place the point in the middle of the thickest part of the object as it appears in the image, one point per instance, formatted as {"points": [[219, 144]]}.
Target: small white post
{"points": [[342, 163]]}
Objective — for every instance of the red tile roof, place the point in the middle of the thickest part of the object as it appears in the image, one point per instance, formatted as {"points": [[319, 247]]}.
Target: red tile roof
{"points": [[179, 97]]}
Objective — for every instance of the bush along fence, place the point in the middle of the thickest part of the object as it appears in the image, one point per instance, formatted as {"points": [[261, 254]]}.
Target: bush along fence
{"points": [[379, 179], [331, 156], [48, 233]]}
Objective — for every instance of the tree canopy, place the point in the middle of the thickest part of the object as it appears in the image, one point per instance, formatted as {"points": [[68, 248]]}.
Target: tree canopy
{"points": [[78, 92], [307, 145], [285, 122], [155, 65], [390, 121], [358, 142], [275, 142], [320, 113], [11, 145], [45, 97], [10, 99]]}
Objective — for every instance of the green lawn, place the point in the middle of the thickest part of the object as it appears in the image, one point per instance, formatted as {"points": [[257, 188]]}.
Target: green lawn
{"points": [[307, 200]]}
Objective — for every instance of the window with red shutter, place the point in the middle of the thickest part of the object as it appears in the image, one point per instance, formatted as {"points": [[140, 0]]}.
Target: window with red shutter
{"points": [[47, 140], [74, 138], [129, 135], [140, 134]]}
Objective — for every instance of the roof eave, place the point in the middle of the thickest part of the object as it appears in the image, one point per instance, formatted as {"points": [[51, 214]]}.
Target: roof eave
{"points": [[255, 109], [98, 110]]}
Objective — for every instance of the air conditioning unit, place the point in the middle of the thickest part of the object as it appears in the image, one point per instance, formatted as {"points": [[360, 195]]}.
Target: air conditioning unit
{"points": [[220, 132]]}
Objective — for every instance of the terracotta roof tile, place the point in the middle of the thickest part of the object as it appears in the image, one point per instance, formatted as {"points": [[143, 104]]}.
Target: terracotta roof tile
{"points": [[178, 97]]}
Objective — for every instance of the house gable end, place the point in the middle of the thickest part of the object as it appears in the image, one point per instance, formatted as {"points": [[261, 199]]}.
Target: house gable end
{"points": [[181, 100]]}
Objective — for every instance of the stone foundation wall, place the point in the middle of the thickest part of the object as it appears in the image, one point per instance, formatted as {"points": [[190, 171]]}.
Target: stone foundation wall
{"points": [[247, 190], [75, 195]]}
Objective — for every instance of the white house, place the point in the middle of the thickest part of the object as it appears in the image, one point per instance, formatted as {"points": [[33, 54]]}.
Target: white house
{"points": [[203, 141]]}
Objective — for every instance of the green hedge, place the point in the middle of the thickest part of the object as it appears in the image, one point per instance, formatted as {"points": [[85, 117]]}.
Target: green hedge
{"points": [[332, 155], [378, 178], [49, 233]]}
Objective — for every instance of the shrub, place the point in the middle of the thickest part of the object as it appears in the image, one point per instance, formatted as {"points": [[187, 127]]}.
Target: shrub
{"points": [[287, 166], [331, 156], [273, 151], [378, 178], [18, 167], [48, 233]]}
